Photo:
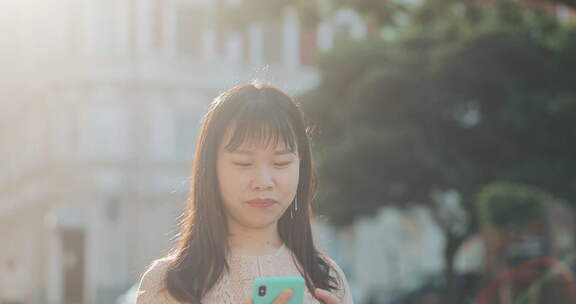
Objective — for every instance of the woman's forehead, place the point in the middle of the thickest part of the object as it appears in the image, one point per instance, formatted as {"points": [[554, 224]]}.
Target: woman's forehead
{"points": [[269, 141], [251, 144]]}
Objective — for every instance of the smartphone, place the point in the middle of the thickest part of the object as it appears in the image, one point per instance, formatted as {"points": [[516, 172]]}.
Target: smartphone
{"points": [[266, 290]]}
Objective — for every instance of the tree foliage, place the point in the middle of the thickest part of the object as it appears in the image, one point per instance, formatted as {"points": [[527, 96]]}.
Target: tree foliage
{"points": [[511, 206], [461, 98]]}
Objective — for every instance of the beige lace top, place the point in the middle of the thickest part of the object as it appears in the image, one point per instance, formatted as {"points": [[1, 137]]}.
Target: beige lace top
{"points": [[235, 287]]}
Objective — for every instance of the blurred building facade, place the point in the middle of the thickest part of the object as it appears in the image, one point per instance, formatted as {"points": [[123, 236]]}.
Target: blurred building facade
{"points": [[101, 102]]}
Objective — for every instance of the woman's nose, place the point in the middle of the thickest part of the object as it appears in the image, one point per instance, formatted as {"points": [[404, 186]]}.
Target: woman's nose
{"points": [[263, 179]]}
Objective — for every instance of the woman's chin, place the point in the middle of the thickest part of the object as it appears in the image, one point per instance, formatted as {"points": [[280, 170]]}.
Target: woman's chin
{"points": [[261, 223]]}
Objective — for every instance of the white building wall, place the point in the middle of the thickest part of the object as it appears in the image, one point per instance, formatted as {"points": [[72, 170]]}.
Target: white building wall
{"points": [[209, 45], [144, 26], [170, 31], [325, 34], [106, 120], [234, 51], [53, 265], [349, 18], [255, 35], [162, 127], [104, 127], [291, 38], [384, 255], [387, 255]]}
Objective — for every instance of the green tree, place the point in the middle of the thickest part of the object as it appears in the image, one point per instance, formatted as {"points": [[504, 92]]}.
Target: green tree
{"points": [[511, 206], [462, 98]]}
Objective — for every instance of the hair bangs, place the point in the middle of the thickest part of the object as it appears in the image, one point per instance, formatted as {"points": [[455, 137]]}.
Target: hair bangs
{"points": [[255, 131]]}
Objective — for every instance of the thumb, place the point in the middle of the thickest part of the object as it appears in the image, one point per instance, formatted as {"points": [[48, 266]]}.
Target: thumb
{"points": [[248, 301]]}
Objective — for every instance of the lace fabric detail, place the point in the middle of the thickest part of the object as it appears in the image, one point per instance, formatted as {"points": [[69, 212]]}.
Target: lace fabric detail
{"points": [[235, 286]]}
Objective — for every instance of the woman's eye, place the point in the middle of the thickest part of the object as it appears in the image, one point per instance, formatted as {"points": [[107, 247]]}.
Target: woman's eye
{"points": [[283, 164], [243, 164]]}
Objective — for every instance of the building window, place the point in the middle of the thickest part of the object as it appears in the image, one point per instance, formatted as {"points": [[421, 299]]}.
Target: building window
{"points": [[308, 46], [158, 23], [190, 21], [161, 127], [273, 42], [107, 127], [185, 134]]}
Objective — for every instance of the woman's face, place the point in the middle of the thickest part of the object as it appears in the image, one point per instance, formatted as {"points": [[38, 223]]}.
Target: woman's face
{"points": [[268, 175]]}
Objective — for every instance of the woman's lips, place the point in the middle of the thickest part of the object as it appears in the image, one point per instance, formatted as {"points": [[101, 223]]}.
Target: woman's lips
{"points": [[261, 203]]}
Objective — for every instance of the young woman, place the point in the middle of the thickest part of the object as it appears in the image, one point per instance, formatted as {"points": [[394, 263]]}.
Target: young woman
{"points": [[249, 208]]}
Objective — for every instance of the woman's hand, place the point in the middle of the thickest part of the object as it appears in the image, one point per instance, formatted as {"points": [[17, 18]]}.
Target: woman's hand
{"points": [[282, 298], [326, 296]]}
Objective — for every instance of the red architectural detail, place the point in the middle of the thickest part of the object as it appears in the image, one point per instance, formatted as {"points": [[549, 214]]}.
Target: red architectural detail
{"points": [[529, 272], [308, 46]]}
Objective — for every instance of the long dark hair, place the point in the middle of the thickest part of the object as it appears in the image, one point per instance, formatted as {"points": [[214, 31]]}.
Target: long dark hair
{"points": [[199, 258]]}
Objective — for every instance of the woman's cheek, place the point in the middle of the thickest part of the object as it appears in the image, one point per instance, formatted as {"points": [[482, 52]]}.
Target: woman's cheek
{"points": [[229, 179], [291, 177], [237, 179]]}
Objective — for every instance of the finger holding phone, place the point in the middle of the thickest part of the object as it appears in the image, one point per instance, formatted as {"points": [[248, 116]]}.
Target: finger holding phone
{"points": [[286, 290], [283, 298], [325, 296], [278, 290]]}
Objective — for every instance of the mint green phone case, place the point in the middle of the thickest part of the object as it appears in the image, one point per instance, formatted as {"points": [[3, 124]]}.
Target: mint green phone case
{"points": [[274, 286]]}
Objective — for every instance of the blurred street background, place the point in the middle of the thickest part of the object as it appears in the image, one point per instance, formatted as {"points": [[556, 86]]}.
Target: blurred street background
{"points": [[445, 139]]}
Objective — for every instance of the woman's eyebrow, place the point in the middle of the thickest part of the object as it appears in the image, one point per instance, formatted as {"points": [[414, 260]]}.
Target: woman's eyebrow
{"points": [[246, 152]]}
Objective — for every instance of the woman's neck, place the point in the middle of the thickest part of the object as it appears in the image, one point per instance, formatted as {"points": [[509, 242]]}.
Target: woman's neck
{"points": [[248, 241]]}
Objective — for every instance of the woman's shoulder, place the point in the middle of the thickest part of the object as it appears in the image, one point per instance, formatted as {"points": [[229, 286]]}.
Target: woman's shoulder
{"points": [[152, 287], [343, 293], [335, 269]]}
